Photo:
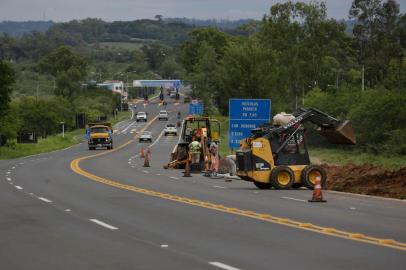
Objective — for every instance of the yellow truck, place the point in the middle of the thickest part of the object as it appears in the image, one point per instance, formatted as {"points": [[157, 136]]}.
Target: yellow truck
{"points": [[99, 134]]}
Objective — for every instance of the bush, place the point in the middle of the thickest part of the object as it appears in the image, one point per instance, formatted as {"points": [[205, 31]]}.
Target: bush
{"points": [[378, 116]]}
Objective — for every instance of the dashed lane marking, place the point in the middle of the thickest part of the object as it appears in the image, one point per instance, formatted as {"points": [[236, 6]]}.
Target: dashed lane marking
{"points": [[18, 187], [103, 224], [223, 266], [44, 199], [219, 187], [173, 177], [293, 199]]}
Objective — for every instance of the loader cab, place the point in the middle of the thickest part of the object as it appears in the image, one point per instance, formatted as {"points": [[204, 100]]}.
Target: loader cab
{"points": [[200, 127], [294, 153]]}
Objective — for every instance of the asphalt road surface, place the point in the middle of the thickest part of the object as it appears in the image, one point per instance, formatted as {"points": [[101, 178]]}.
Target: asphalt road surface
{"points": [[109, 212]]}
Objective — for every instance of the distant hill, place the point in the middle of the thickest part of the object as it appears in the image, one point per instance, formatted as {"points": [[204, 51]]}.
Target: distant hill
{"points": [[221, 23], [19, 28]]}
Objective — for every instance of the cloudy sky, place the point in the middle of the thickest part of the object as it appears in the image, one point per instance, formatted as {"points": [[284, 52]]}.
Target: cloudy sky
{"points": [[110, 10]]}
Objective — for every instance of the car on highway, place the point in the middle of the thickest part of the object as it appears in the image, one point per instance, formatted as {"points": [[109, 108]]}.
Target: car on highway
{"points": [[146, 136], [170, 129], [173, 94], [141, 116], [163, 115]]}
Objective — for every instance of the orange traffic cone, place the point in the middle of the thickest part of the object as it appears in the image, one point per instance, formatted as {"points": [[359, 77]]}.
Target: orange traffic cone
{"points": [[186, 173], [317, 195], [142, 154]]}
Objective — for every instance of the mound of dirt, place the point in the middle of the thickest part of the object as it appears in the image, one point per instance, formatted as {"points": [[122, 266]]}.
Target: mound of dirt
{"points": [[367, 179]]}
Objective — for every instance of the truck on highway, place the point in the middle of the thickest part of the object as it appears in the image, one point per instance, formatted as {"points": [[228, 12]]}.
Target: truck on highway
{"points": [[99, 134]]}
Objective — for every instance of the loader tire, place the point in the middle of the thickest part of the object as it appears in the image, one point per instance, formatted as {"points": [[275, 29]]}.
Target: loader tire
{"points": [[261, 185], [309, 174], [282, 177]]}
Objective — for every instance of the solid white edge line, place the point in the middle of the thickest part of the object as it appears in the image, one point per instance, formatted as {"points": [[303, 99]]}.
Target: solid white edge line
{"points": [[44, 199], [103, 224], [223, 266], [293, 199]]}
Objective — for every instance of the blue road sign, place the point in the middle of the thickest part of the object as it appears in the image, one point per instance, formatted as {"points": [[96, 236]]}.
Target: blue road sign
{"points": [[196, 108], [246, 114]]}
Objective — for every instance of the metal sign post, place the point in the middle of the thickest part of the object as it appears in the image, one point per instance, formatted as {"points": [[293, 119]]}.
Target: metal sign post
{"points": [[245, 115]]}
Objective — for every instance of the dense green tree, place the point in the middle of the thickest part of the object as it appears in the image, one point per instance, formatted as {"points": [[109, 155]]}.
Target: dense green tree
{"points": [[377, 35], [155, 54], [68, 69], [7, 79], [216, 39]]}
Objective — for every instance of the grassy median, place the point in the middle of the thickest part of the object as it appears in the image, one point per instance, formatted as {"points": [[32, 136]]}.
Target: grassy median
{"points": [[51, 143]]}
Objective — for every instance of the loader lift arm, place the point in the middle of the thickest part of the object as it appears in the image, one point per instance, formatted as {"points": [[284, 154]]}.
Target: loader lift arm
{"points": [[335, 130]]}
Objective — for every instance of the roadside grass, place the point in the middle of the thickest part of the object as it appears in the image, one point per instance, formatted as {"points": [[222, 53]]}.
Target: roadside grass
{"points": [[341, 157], [51, 143]]}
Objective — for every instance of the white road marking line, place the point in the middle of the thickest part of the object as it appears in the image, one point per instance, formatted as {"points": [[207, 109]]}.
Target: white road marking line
{"points": [[13, 168], [8, 179], [158, 174], [164, 246], [145, 171], [44, 199], [223, 266], [157, 139], [293, 199], [218, 187], [32, 194], [173, 177], [353, 208], [67, 210], [8, 172], [101, 223], [18, 187], [133, 123]]}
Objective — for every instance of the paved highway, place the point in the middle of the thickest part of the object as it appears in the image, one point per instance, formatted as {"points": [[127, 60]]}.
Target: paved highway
{"points": [[66, 210]]}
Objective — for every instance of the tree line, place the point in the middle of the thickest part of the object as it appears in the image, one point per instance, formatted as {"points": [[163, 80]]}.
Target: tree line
{"points": [[298, 57]]}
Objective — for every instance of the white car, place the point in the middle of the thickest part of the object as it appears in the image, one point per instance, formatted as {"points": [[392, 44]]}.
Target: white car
{"points": [[141, 116], [163, 115], [170, 129], [146, 136]]}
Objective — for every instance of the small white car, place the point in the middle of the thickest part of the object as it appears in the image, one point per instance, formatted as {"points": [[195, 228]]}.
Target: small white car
{"points": [[170, 129], [163, 115], [141, 116], [146, 136]]}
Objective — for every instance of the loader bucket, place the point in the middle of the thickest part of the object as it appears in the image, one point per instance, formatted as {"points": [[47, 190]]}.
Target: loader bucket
{"points": [[343, 134]]}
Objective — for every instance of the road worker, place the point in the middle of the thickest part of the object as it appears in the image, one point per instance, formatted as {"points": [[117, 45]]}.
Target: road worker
{"points": [[195, 150]]}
